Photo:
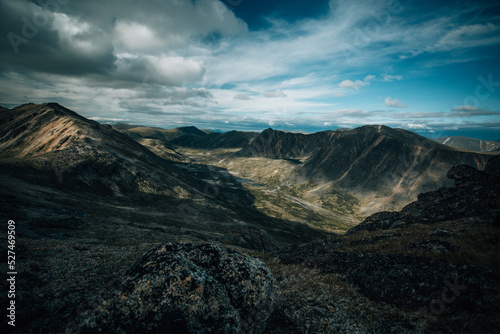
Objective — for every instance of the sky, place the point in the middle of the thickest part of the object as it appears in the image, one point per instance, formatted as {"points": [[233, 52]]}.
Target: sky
{"points": [[432, 67]]}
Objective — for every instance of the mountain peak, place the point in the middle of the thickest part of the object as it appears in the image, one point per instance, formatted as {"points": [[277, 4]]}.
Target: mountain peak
{"points": [[46, 110], [192, 130], [53, 105], [33, 129]]}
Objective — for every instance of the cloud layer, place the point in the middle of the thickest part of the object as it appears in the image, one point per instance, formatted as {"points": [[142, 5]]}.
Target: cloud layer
{"points": [[252, 64]]}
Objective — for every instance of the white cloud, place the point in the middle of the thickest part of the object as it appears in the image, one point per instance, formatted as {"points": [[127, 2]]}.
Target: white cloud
{"points": [[418, 126], [78, 36], [176, 70], [393, 103], [470, 35], [170, 24], [358, 83], [352, 84], [471, 111], [68, 27], [327, 123], [135, 36], [243, 97], [466, 108], [411, 54], [389, 78], [276, 93], [339, 95]]}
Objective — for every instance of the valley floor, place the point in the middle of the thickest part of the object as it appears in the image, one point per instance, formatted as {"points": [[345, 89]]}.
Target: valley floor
{"points": [[281, 192]]}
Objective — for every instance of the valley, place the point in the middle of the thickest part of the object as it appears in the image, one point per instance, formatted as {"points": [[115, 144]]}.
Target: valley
{"points": [[331, 180], [281, 192]]}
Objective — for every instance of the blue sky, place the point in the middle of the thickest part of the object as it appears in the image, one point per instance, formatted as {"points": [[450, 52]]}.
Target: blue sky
{"points": [[427, 66]]}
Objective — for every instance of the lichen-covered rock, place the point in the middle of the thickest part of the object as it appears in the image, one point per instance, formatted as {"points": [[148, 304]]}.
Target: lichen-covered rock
{"points": [[434, 246], [465, 175], [198, 288], [492, 167], [405, 280], [441, 233]]}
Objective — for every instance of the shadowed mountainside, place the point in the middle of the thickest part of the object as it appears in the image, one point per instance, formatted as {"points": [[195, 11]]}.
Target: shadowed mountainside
{"points": [[137, 131], [215, 140], [384, 168], [281, 145], [436, 260], [52, 158], [476, 193]]}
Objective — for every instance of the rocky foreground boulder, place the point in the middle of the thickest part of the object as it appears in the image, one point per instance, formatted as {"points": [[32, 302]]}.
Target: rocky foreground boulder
{"points": [[187, 288], [476, 193]]}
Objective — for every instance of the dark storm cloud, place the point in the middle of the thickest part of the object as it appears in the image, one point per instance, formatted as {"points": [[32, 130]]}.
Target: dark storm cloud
{"points": [[31, 43], [169, 18], [76, 38]]}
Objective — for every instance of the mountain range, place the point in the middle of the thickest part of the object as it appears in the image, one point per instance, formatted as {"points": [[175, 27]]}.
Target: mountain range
{"points": [[371, 168], [381, 167], [384, 168], [117, 236], [189, 136], [52, 158]]}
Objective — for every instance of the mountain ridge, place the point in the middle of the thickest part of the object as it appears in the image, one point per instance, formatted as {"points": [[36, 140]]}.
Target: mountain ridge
{"points": [[139, 131], [385, 167], [278, 144], [215, 140], [470, 144]]}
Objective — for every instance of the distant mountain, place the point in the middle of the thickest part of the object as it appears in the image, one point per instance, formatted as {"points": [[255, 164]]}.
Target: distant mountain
{"points": [[470, 144], [137, 131], [190, 137], [52, 159], [278, 144], [383, 167], [231, 139]]}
